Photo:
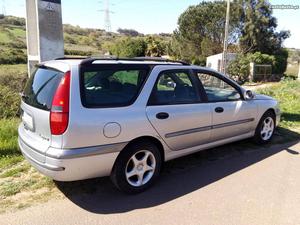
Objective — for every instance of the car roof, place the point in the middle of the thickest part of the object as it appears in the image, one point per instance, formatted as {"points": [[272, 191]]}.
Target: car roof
{"points": [[113, 60], [65, 63]]}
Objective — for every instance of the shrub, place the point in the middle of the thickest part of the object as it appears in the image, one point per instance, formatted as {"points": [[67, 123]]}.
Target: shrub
{"points": [[155, 47], [11, 84], [240, 67], [13, 56], [129, 47], [10, 102], [17, 21], [128, 32], [280, 62], [15, 82], [69, 39], [16, 44], [77, 52]]}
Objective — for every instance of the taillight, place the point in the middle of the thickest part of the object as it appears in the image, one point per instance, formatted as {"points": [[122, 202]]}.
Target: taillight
{"points": [[59, 115]]}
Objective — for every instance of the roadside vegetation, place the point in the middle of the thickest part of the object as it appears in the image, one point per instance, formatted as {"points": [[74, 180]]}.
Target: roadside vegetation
{"points": [[288, 94], [20, 184]]}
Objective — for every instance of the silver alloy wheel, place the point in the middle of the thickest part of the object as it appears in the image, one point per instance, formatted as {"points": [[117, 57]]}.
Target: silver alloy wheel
{"points": [[267, 128], [140, 168]]}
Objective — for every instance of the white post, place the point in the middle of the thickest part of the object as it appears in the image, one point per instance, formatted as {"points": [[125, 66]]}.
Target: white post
{"points": [[44, 30], [251, 72], [299, 71]]}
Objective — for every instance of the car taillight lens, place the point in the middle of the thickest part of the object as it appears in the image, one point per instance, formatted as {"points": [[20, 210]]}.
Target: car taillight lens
{"points": [[59, 115]]}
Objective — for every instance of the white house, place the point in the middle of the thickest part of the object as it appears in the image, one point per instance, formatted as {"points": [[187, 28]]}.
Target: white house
{"points": [[215, 61]]}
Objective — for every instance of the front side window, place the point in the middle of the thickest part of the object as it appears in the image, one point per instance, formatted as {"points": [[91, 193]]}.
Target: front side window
{"points": [[218, 90], [174, 88], [111, 86]]}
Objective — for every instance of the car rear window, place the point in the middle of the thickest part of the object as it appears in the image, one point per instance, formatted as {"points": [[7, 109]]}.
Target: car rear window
{"points": [[41, 86], [112, 85]]}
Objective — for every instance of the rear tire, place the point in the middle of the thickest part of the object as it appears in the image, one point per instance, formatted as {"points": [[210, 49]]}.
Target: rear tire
{"points": [[137, 167], [265, 128]]}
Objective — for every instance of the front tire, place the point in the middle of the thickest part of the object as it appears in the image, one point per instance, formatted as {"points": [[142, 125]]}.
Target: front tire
{"points": [[137, 167], [265, 128]]}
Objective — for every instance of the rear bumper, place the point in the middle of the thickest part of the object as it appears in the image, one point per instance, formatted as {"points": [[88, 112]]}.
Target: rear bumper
{"points": [[73, 164]]}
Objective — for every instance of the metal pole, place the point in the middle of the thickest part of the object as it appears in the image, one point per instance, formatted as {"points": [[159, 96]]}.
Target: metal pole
{"points": [[44, 31], [224, 61]]}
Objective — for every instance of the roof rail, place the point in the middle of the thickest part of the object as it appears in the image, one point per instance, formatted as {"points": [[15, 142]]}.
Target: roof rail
{"points": [[71, 57], [160, 59], [90, 60]]}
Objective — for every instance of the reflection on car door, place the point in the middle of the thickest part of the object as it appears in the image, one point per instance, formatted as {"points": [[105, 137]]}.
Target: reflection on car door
{"points": [[231, 115], [177, 112]]}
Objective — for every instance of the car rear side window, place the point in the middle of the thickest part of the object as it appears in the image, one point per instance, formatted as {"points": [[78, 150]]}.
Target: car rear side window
{"points": [[174, 87], [41, 87], [111, 86]]}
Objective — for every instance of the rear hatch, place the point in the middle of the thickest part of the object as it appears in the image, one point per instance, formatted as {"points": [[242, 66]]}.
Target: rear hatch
{"points": [[37, 98]]}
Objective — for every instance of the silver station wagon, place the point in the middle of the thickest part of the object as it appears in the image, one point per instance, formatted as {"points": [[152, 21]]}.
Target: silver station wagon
{"points": [[123, 118]]}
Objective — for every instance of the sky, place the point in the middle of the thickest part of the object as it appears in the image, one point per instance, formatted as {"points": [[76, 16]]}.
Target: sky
{"points": [[150, 16]]}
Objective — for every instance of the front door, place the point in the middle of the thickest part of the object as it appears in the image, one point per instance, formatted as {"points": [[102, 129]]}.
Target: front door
{"points": [[177, 112], [231, 115]]}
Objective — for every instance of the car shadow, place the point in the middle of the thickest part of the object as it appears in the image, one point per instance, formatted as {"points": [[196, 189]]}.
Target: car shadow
{"points": [[179, 177], [291, 117]]}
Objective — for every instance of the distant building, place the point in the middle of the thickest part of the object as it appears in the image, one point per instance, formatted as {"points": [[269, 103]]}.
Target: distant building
{"points": [[215, 61]]}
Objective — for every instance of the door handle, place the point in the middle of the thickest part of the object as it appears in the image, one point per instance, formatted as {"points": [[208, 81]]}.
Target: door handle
{"points": [[162, 115], [219, 110]]}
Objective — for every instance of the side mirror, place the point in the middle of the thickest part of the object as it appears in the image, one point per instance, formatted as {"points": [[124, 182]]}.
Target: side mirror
{"points": [[248, 95]]}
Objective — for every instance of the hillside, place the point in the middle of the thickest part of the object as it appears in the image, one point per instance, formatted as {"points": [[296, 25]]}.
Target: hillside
{"points": [[78, 41]]}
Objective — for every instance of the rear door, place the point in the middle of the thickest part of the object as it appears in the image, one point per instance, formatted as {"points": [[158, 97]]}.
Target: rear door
{"points": [[177, 111], [231, 115], [35, 108]]}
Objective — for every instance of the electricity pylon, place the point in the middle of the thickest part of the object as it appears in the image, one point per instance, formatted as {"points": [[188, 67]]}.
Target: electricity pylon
{"points": [[3, 8], [107, 12]]}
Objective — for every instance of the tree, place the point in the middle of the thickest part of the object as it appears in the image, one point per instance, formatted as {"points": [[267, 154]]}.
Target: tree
{"points": [[129, 32], [252, 29], [201, 28], [259, 29]]}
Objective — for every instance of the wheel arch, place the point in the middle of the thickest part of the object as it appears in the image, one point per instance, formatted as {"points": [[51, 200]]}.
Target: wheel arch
{"points": [[151, 139], [272, 110]]}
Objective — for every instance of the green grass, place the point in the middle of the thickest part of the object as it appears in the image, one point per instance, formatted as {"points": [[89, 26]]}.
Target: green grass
{"points": [[16, 171], [13, 69], [288, 95], [9, 152], [16, 174], [11, 187], [4, 36], [11, 34], [18, 32]]}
